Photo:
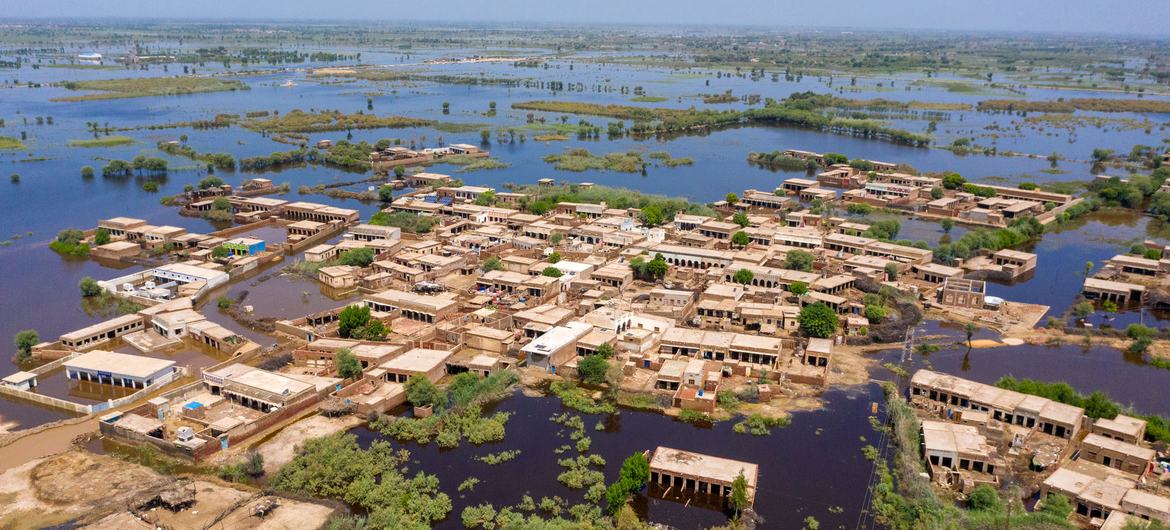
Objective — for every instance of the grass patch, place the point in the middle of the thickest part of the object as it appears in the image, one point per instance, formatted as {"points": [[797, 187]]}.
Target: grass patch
{"points": [[1075, 104], [492, 459], [8, 142], [759, 425], [582, 160], [804, 110], [149, 86], [471, 163], [648, 99], [578, 398], [323, 121], [105, 141], [550, 138]]}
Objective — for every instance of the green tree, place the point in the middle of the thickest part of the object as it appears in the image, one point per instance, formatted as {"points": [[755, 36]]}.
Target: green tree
{"points": [[1056, 505], [732, 198], [87, 172], [799, 260], [953, 181], [254, 463], [738, 497], [358, 257], [652, 215], [555, 257], [740, 219], [220, 252], [970, 329], [552, 272], [743, 276], [605, 350], [818, 320], [493, 263], [592, 369], [421, 392], [891, 271], [740, 239], [936, 193], [399, 171], [984, 498], [798, 288], [352, 319], [487, 198], [348, 365], [25, 340], [89, 287], [210, 182], [101, 237], [947, 225], [386, 193]]}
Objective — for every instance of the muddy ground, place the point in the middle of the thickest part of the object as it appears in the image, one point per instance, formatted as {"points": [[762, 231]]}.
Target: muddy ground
{"points": [[81, 488]]}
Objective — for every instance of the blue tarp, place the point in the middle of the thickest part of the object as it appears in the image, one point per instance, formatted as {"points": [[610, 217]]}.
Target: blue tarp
{"points": [[193, 405]]}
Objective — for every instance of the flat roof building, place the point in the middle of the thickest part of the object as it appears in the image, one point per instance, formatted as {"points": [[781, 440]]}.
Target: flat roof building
{"points": [[688, 471], [119, 369]]}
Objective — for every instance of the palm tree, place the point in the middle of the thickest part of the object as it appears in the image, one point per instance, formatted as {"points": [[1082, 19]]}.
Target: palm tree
{"points": [[970, 328]]}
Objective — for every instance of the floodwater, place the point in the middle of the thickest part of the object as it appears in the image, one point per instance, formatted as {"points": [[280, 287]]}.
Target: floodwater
{"points": [[813, 467], [805, 469]]}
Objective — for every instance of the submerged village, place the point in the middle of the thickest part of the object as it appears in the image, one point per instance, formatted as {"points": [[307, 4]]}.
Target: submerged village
{"points": [[892, 312]]}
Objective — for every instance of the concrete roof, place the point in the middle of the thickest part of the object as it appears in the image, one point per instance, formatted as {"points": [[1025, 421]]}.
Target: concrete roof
{"points": [[721, 470], [417, 360], [271, 382], [120, 364]]}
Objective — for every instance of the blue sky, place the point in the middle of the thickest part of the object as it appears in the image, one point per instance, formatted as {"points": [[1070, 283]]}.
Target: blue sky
{"points": [[1144, 17]]}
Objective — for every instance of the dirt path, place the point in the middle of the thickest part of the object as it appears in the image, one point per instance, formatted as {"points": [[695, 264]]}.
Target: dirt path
{"points": [[48, 442]]}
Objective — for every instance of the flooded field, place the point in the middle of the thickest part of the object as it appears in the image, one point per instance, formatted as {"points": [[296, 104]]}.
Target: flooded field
{"points": [[814, 467], [796, 462]]}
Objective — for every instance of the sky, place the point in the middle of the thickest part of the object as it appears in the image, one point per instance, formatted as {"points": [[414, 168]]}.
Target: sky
{"points": [[1132, 17]]}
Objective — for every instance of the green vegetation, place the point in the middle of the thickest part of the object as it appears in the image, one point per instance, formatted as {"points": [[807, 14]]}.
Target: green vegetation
{"points": [[70, 243], [24, 341], [374, 479], [322, 121], [634, 473], [759, 425], [348, 366], [474, 163], [592, 369], [578, 398], [1074, 104], [89, 287], [408, 222], [355, 322], [652, 270], [580, 159], [818, 320], [743, 276], [649, 99], [279, 160], [804, 110], [543, 199], [217, 160], [493, 459], [668, 160], [905, 499], [463, 419], [778, 160], [1096, 404], [8, 142], [1020, 231], [799, 260], [105, 141], [357, 257], [137, 87]]}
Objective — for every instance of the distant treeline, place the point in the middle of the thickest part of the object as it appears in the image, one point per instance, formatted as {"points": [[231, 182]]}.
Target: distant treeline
{"points": [[1075, 104], [802, 109]]}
